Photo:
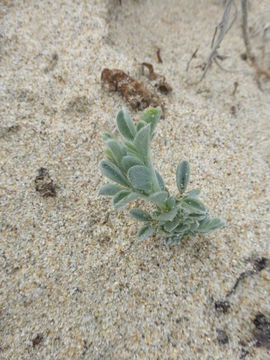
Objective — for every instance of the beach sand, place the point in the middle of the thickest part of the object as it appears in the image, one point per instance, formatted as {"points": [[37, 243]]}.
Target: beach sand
{"points": [[75, 282]]}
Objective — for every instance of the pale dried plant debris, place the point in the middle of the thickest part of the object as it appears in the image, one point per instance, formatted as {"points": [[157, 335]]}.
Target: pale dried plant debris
{"points": [[222, 29]]}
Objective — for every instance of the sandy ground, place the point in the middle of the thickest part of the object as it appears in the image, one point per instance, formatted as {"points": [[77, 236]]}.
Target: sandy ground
{"points": [[75, 283]]}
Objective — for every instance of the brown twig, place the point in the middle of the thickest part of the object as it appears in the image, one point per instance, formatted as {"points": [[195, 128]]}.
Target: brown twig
{"points": [[159, 56], [235, 87]]}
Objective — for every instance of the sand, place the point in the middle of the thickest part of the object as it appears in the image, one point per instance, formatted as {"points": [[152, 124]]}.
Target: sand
{"points": [[75, 282]]}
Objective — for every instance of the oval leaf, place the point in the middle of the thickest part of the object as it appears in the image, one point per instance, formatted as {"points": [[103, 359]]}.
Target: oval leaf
{"points": [[112, 172], [168, 216], [125, 125], [210, 224], [182, 176], [116, 151], [182, 228], [123, 197], [193, 206], [171, 202], [109, 190], [158, 197], [193, 193], [131, 149], [140, 178], [145, 232], [140, 214], [142, 143], [130, 161], [140, 125], [160, 181], [109, 155], [171, 225]]}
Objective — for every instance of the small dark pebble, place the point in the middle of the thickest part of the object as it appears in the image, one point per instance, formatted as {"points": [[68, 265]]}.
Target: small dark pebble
{"points": [[234, 110], [44, 184], [37, 340], [243, 353], [260, 264], [262, 330], [222, 306], [244, 56], [222, 337]]}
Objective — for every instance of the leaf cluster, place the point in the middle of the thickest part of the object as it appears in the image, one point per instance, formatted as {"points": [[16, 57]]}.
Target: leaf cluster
{"points": [[128, 164]]}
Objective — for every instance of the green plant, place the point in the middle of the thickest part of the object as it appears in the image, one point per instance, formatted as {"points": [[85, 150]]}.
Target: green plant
{"points": [[129, 164]]}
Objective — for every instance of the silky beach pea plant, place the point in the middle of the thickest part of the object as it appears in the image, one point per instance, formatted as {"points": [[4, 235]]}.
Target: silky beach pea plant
{"points": [[129, 166]]}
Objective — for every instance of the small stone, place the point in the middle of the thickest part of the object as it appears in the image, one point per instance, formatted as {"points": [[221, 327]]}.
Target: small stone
{"points": [[222, 337], [222, 306], [37, 340], [262, 330]]}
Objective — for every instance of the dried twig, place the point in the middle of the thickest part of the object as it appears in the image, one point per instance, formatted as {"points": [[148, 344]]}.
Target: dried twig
{"points": [[249, 54], [191, 58], [260, 71], [159, 56], [222, 28], [159, 81], [258, 265], [235, 87]]}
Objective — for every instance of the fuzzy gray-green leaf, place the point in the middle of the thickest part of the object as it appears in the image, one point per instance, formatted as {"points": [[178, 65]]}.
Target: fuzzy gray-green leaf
{"points": [[171, 225], [209, 225], [130, 148], [107, 136], [193, 193], [182, 228], [112, 172], [151, 116], [193, 206], [109, 189], [167, 216], [125, 125], [129, 161], [140, 214], [140, 125], [140, 178], [109, 155], [158, 197], [145, 232], [171, 202], [116, 150], [142, 143], [182, 176], [160, 181], [123, 198]]}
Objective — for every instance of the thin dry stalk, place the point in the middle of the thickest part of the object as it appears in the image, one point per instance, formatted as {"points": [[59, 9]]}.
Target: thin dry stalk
{"points": [[244, 6], [260, 71], [191, 58], [221, 30]]}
